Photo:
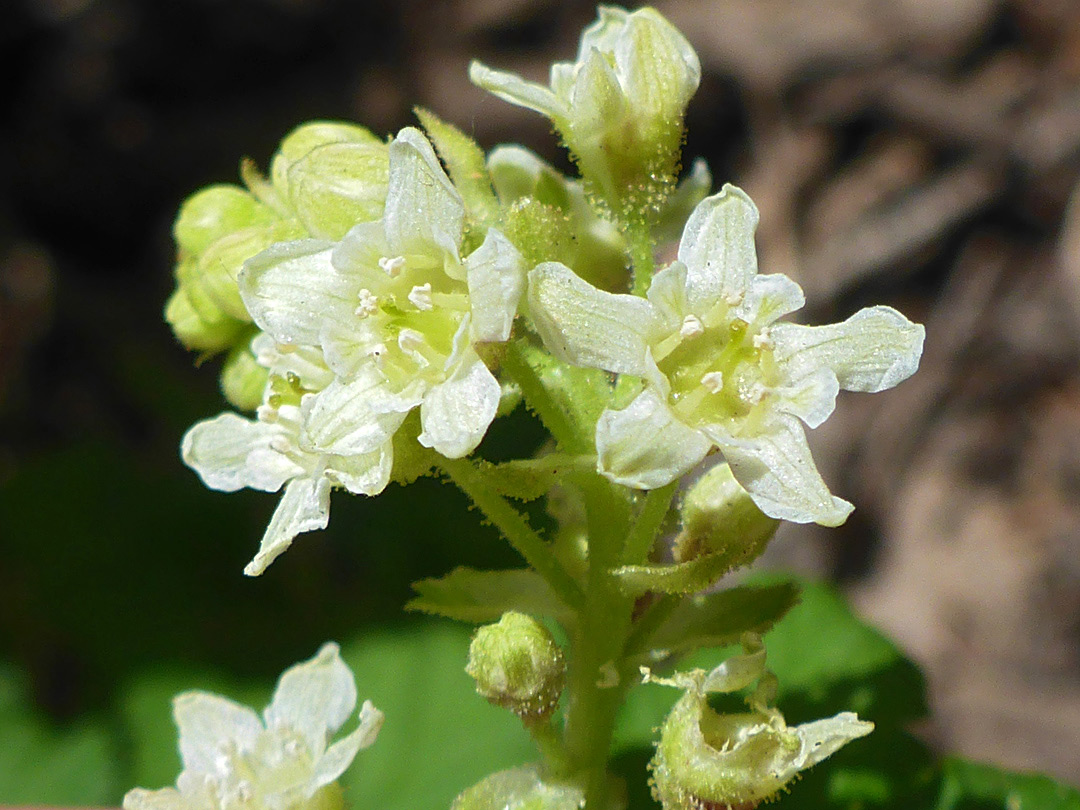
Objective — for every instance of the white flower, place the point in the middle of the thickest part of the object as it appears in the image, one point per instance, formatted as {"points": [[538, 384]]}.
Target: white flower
{"points": [[234, 759], [230, 452], [708, 759], [718, 369], [397, 313], [620, 105]]}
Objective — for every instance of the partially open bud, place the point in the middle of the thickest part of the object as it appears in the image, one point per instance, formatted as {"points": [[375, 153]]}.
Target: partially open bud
{"points": [[705, 759], [517, 665], [520, 789], [719, 517]]}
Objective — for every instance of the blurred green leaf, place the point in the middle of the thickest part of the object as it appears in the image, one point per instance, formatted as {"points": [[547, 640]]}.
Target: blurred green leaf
{"points": [[971, 786], [483, 596], [44, 764]]}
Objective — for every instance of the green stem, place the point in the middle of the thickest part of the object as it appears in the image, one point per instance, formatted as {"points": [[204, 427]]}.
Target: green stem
{"points": [[539, 399], [648, 623], [514, 527], [654, 508], [550, 744]]}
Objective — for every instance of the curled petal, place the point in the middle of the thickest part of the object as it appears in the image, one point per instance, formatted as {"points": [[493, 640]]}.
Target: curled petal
{"points": [[423, 209], [776, 468], [514, 89], [456, 414], [874, 349], [208, 723], [645, 445], [495, 273], [365, 474], [768, 298], [357, 417], [304, 507], [718, 248], [230, 453], [340, 755]]}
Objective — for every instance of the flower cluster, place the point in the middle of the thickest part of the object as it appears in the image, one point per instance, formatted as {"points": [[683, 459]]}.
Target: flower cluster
{"points": [[235, 760]]}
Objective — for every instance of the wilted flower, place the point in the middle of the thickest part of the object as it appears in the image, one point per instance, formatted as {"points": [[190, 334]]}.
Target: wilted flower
{"points": [[234, 759], [717, 368]]}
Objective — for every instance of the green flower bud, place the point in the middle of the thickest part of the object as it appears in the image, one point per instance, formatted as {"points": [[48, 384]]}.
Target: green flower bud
{"points": [[520, 789], [517, 665], [243, 380], [214, 212], [202, 328], [719, 517]]}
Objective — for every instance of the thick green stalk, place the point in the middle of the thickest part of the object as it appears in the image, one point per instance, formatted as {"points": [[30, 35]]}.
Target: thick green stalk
{"points": [[540, 401], [655, 505], [642, 258], [514, 527]]}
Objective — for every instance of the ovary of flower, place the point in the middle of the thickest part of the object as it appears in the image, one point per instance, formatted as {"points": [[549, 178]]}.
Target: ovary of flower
{"points": [[230, 452], [718, 370], [234, 759], [423, 310]]}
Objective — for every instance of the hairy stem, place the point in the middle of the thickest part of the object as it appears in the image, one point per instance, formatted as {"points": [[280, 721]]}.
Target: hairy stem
{"points": [[541, 402]]}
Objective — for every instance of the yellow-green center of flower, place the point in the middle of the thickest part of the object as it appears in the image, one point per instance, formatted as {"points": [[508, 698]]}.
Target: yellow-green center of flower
{"points": [[720, 370]]}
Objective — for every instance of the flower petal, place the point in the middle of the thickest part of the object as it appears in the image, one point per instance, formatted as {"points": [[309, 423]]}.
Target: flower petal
{"points": [[768, 298], [291, 288], [423, 209], [511, 87], [314, 698], [304, 507], [874, 349], [776, 468], [356, 417], [209, 723], [823, 738], [366, 474], [812, 398], [495, 273], [588, 327], [230, 453], [644, 445], [718, 248], [667, 294], [456, 414], [339, 755], [164, 799]]}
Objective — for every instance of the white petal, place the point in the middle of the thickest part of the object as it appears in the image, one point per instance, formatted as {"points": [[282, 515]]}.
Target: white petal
{"points": [[717, 248], [164, 799], [645, 445], [291, 288], [768, 298], [423, 209], [597, 101], [495, 273], [823, 738], [230, 453], [667, 294], [357, 257], [811, 398], [874, 349], [603, 34], [776, 468], [208, 723], [339, 755], [304, 507], [351, 418], [511, 87], [588, 327], [314, 698], [366, 474], [456, 414]]}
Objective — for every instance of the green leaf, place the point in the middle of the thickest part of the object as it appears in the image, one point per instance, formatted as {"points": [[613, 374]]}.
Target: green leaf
{"points": [[719, 619], [44, 764], [483, 596], [971, 786], [439, 736], [465, 162]]}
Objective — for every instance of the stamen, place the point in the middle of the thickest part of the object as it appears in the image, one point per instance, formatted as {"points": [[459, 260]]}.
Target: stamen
{"points": [[420, 296], [410, 340], [266, 413], [369, 304], [691, 327], [392, 267], [762, 340], [713, 382]]}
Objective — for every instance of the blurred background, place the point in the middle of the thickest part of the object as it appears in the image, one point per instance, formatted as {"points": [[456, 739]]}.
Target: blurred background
{"points": [[920, 153]]}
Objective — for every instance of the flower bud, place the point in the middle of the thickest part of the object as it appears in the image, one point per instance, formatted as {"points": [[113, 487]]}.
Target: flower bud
{"points": [[214, 212], [517, 665], [520, 789], [243, 380], [718, 516]]}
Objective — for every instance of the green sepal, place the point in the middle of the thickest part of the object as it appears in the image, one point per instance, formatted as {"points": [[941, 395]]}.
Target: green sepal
{"points": [[210, 330], [411, 459], [469, 595], [530, 478], [338, 185], [691, 190], [542, 232], [243, 380], [520, 789], [466, 164], [719, 619]]}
